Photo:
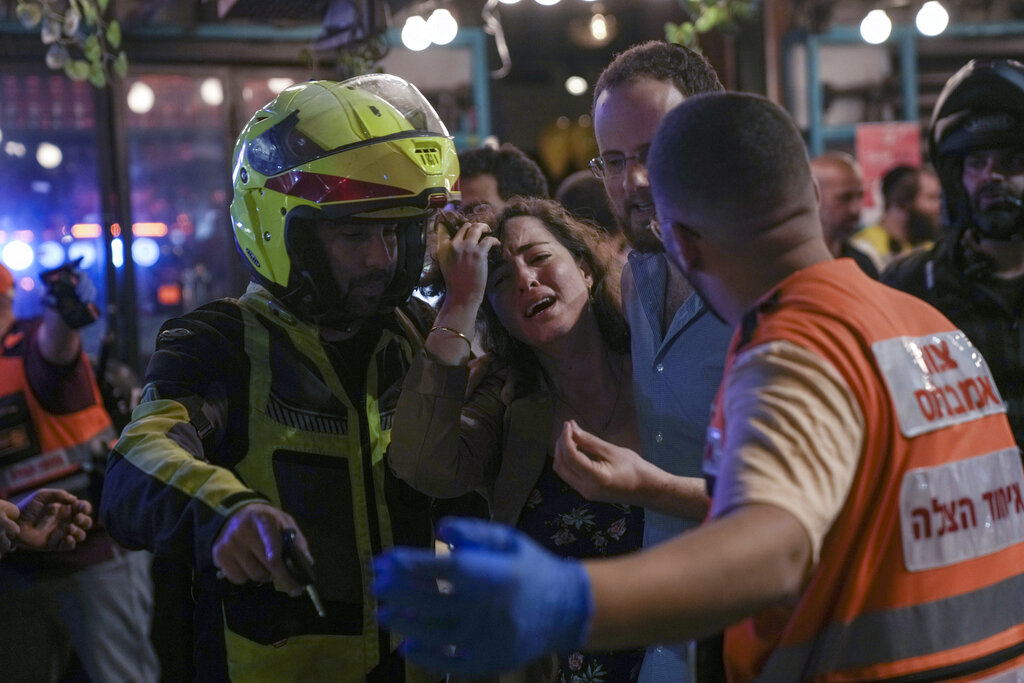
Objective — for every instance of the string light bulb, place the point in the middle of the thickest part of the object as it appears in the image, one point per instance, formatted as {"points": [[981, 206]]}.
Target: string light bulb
{"points": [[416, 34], [932, 18], [442, 26], [876, 27]]}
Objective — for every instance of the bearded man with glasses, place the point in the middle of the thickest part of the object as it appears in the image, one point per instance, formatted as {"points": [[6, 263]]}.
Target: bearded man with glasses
{"points": [[678, 345]]}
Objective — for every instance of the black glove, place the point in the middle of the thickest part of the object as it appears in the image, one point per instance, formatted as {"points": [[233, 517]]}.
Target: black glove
{"points": [[71, 293]]}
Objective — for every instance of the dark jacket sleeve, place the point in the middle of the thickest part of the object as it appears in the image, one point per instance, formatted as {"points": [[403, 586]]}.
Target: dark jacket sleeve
{"points": [[169, 487], [908, 273]]}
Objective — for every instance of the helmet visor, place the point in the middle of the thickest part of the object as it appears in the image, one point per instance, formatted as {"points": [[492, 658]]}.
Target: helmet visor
{"points": [[404, 97], [286, 144]]}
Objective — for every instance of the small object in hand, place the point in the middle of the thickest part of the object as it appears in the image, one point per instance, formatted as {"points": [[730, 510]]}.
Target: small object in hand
{"points": [[70, 292], [299, 567]]}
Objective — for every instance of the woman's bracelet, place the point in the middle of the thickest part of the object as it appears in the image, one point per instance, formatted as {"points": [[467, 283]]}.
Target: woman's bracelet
{"points": [[452, 330]]}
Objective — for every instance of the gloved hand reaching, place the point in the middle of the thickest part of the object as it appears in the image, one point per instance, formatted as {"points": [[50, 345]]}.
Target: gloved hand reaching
{"points": [[71, 293], [497, 602]]}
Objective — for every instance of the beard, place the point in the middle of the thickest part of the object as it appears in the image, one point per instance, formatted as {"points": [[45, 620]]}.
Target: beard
{"points": [[998, 213], [360, 300], [636, 225], [921, 228]]}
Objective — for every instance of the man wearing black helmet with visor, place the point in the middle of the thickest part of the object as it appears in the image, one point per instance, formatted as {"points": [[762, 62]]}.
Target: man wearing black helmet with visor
{"points": [[272, 412], [975, 273]]}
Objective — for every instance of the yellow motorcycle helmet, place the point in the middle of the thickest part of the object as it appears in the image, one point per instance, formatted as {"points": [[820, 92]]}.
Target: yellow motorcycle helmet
{"points": [[367, 149]]}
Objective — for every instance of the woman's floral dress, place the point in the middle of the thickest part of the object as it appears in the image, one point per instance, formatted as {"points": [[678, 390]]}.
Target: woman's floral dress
{"points": [[566, 523]]}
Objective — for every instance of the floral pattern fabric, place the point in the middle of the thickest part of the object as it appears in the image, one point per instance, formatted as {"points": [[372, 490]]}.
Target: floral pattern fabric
{"points": [[567, 524]]}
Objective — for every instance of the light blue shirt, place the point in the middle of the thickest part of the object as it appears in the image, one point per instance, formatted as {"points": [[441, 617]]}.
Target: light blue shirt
{"points": [[675, 379]]}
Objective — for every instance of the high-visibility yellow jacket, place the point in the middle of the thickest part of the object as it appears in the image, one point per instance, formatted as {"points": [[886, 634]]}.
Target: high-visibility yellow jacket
{"points": [[242, 403]]}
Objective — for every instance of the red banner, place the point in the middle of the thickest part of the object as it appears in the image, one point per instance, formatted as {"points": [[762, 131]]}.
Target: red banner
{"points": [[880, 146]]}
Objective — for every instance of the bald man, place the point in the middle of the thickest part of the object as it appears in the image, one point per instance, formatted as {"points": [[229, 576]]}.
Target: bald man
{"points": [[841, 196], [835, 466]]}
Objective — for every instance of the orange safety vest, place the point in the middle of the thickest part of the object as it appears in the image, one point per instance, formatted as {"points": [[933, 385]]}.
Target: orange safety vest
{"points": [[922, 573], [36, 446]]}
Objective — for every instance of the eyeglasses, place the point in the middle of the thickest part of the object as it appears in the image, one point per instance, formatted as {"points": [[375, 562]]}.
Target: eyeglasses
{"points": [[614, 163]]}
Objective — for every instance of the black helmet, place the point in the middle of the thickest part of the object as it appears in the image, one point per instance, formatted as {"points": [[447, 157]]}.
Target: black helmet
{"points": [[981, 106]]}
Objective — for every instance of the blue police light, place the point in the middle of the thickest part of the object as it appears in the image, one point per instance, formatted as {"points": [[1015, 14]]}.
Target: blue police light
{"points": [[145, 251], [84, 250], [50, 254]]}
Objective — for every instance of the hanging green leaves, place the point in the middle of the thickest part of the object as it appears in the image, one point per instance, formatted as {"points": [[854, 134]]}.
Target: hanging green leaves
{"points": [[83, 41], [705, 17]]}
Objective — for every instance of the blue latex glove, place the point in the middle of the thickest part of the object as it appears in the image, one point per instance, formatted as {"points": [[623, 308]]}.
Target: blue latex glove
{"points": [[505, 600]]}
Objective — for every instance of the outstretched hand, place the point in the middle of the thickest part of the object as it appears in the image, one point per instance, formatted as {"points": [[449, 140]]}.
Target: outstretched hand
{"points": [[497, 602], [248, 548], [599, 470], [52, 519]]}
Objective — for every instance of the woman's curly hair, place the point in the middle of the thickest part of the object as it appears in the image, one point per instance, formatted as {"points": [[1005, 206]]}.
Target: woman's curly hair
{"points": [[586, 242]]}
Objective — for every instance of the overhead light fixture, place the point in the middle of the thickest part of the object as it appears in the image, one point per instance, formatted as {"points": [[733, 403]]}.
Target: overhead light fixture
{"points": [[276, 85], [876, 27], [442, 26], [932, 18], [440, 29], [508, 2], [17, 255], [576, 85], [14, 149], [416, 34], [546, 2], [48, 155], [594, 31], [141, 97], [211, 91]]}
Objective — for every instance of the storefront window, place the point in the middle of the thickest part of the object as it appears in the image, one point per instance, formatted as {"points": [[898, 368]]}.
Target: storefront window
{"points": [[50, 204], [178, 146], [179, 142]]}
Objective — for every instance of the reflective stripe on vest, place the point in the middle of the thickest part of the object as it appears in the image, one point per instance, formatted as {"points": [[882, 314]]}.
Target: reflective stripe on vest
{"points": [[66, 441], [903, 633], [46, 467], [1014, 675]]}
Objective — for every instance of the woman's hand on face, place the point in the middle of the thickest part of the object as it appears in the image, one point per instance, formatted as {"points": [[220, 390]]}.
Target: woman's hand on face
{"points": [[463, 261]]}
